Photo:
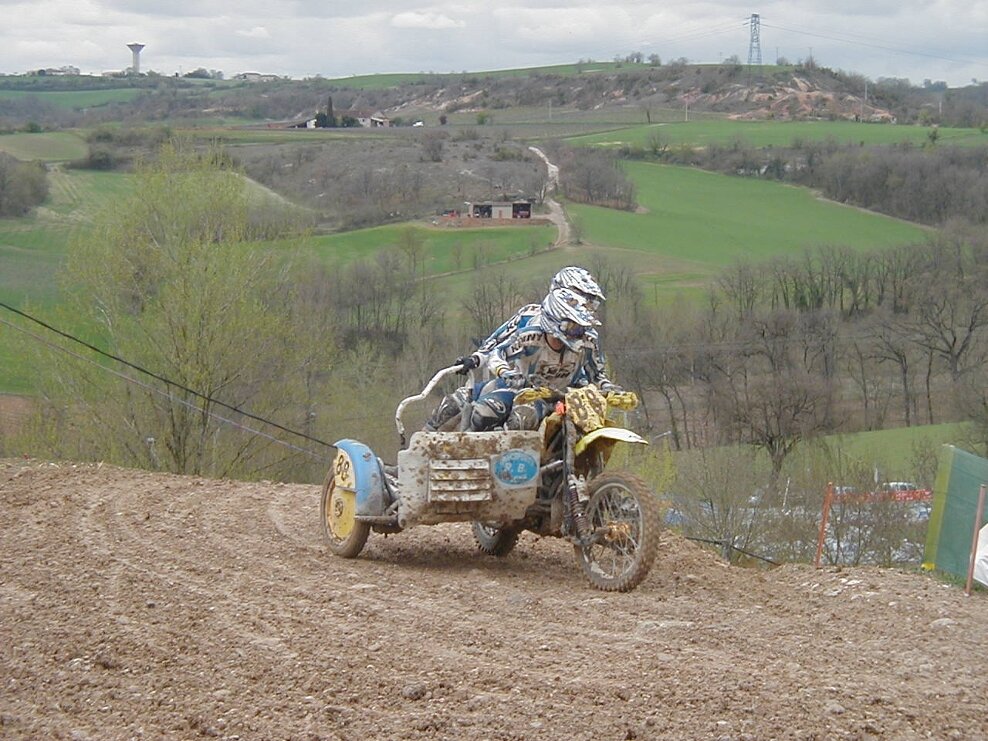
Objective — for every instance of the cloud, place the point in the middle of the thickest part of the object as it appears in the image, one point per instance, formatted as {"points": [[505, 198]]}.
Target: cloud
{"points": [[257, 32], [937, 39], [428, 21]]}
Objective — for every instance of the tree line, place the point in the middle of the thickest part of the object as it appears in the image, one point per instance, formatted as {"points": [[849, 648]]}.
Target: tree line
{"points": [[832, 341], [781, 352]]}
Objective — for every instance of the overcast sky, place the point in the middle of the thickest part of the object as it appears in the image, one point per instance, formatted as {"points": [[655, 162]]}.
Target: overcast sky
{"points": [[916, 39]]}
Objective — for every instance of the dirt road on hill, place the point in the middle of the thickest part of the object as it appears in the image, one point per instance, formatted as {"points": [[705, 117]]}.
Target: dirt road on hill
{"points": [[556, 213], [139, 605]]}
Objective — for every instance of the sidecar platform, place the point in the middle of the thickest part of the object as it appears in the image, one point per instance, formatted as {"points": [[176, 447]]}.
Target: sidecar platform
{"points": [[452, 476]]}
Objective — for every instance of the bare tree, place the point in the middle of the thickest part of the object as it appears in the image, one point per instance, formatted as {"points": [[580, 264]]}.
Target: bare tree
{"points": [[714, 491], [432, 146], [494, 298], [892, 345], [951, 314]]}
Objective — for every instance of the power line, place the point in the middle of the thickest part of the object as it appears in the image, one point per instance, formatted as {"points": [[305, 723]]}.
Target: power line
{"points": [[164, 380], [846, 38], [701, 33], [149, 387]]}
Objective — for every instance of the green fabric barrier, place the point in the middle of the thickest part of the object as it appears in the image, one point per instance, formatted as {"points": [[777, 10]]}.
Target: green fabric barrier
{"points": [[955, 501]]}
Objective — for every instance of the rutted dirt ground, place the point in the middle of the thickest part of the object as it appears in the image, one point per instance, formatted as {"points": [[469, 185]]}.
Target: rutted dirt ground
{"points": [[135, 604]]}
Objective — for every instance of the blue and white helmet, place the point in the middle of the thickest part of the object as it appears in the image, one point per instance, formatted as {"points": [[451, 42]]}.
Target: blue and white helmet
{"points": [[579, 279], [565, 316]]}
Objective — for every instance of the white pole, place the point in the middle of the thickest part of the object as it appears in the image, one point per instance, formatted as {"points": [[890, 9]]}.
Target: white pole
{"points": [[974, 539]]}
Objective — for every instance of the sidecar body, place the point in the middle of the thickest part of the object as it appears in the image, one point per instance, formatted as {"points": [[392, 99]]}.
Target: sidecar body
{"points": [[441, 477]]}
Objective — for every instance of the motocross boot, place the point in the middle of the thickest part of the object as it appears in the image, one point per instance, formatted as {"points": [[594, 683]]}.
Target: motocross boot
{"points": [[449, 407]]}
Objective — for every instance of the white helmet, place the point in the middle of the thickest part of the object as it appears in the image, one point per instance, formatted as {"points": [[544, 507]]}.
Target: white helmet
{"points": [[579, 279], [565, 317]]}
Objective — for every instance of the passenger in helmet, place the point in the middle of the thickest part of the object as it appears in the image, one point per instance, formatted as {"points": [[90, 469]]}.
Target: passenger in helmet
{"points": [[453, 404], [579, 280]]}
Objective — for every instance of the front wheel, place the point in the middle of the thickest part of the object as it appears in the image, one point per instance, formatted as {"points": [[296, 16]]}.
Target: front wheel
{"points": [[623, 513], [495, 540], [345, 534]]}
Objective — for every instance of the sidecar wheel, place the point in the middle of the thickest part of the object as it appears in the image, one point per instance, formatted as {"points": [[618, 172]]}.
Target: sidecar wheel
{"points": [[494, 540], [624, 516], [345, 535]]}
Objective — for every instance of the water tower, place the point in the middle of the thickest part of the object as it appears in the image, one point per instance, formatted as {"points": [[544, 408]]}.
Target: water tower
{"points": [[136, 51]]}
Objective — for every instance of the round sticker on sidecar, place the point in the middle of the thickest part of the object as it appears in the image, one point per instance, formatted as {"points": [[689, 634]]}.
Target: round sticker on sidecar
{"points": [[515, 468]]}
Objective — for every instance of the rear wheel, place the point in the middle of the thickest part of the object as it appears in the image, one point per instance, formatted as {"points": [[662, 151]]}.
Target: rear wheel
{"points": [[624, 517], [345, 534], [495, 540]]}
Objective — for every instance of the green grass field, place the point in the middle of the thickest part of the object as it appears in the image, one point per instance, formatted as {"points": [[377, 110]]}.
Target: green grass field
{"points": [[891, 448], [33, 248], [693, 223], [31, 251], [76, 99], [60, 146], [891, 451], [215, 132], [776, 134], [563, 123], [445, 249]]}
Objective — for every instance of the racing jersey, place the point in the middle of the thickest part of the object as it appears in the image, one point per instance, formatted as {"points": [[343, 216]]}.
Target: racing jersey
{"points": [[595, 368], [527, 351]]}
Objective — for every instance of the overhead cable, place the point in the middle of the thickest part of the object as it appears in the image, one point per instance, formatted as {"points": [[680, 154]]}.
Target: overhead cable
{"points": [[158, 377]]}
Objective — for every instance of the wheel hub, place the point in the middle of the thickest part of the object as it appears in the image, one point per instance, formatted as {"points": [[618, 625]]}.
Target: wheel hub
{"points": [[617, 531], [342, 513]]}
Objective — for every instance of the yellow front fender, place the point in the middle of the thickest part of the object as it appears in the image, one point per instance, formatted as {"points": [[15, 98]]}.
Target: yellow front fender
{"points": [[617, 434]]}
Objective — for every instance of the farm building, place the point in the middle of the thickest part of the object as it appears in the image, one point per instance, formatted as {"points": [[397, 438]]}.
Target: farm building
{"points": [[500, 210], [367, 119]]}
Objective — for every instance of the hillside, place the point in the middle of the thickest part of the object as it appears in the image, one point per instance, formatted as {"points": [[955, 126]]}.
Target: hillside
{"points": [[140, 604], [581, 94], [727, 90]]}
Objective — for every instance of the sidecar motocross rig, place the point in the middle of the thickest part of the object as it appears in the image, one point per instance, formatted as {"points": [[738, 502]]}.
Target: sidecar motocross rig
{"points": [[551, 481]]}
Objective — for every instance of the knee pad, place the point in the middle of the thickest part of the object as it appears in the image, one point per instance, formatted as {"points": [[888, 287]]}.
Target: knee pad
{"points": [[488, 411]]}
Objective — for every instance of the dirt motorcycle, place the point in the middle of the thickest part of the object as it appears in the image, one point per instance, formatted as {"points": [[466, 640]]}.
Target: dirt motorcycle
{"points": [[551, 481]]}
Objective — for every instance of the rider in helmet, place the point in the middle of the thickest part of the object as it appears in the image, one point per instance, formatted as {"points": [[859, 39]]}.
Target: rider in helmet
{"points": [[574, 278], [577, 279], [553, 348], [580, 280]]}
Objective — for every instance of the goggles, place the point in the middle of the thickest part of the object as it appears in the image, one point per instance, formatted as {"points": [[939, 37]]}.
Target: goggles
{"points": [[584, 301], [572, 329], [592, 303]]}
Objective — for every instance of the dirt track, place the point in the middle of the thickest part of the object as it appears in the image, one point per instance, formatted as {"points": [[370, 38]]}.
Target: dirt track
{"points": [[146, 605]]}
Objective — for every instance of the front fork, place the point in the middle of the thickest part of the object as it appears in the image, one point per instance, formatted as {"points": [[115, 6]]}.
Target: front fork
{"points": [[577, 525]]}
